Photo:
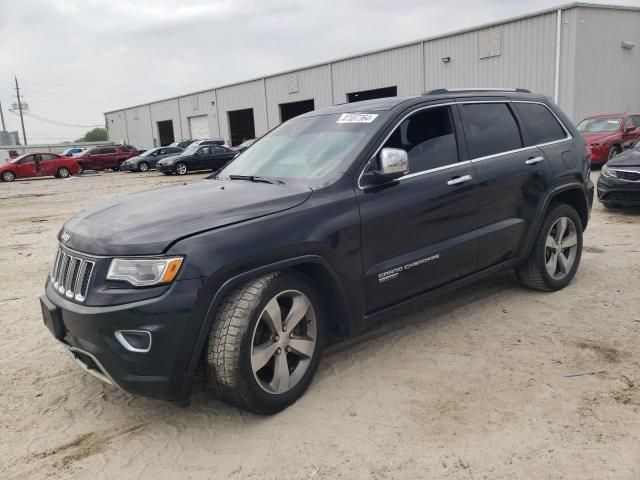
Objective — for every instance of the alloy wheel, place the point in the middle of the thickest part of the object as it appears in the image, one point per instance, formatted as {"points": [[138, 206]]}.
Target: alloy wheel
{"points": [[63, 173], [561, 248], [143, 167], [8, 176], [181, 168], [283, 341]]}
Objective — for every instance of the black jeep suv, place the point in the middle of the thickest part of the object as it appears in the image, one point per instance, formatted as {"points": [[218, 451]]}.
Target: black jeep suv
{"points": [[328, 222]]}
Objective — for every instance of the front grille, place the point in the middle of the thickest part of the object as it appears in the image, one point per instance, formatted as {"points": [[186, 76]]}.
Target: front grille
{"points": [[71, 274], [628, 175]]}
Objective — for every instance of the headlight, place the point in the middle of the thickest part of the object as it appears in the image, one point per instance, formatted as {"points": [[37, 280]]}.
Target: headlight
{"points": [[144, 272], [607, 172], [600, 144]]}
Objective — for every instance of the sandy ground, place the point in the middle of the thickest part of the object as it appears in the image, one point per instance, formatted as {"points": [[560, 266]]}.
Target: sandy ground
{"points": [[475, 385]]}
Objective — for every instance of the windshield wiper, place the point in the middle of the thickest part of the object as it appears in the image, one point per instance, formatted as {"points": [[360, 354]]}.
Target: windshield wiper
{"points": [[252, 178]]}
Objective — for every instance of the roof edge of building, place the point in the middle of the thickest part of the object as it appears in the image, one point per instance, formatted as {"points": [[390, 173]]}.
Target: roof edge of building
{"points": [[537, 13]]}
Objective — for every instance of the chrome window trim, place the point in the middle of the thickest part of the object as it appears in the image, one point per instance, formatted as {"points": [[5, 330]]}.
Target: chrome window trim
{"points": [[473, 160]]}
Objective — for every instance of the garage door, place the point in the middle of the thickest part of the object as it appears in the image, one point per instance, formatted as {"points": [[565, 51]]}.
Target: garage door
{"points": [[199, 127]]}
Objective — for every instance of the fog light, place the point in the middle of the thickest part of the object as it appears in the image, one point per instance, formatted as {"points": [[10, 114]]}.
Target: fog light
{"points": [[138, 341]]}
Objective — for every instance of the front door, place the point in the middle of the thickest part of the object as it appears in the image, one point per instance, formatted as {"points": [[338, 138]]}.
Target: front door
{"points": [[27, 167], [420, 232]]}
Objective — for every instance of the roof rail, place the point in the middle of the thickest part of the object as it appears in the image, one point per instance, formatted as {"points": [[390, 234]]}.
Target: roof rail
{"points": [[441, 91]]}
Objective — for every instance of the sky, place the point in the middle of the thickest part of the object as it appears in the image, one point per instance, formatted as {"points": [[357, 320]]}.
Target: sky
{"points": [[76, 59]]}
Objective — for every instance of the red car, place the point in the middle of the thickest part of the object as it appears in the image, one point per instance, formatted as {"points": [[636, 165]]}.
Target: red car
{"points": [[108, 156], [38, 165], [606, 134]]}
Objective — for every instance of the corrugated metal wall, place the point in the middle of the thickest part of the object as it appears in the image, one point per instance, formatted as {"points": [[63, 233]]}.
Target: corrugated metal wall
{"points": [[312, 83], [607, 76], [399, 67], [591, 58], [527, 58]]}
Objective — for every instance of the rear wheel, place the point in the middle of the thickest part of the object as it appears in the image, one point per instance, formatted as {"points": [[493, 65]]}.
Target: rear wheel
{"points": [[80, 168], [143, 166], [8, 176], [181, 168], [555, 256], [118, 166], [266, 342], [63, 172]]}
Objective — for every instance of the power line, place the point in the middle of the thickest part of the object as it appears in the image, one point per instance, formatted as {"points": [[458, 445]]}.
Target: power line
{"points": [[55, 122]]}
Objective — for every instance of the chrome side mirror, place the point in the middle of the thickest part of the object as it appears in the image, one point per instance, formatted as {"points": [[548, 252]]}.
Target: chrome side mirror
{"points": [[393, 163]]}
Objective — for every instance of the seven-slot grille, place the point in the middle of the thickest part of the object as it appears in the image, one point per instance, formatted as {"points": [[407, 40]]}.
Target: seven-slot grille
{"points": [[71, 274], [628, 175]]}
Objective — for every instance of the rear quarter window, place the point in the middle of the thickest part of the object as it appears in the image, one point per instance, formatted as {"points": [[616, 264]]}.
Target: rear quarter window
{"points": [[538, 124], [490, 129]]}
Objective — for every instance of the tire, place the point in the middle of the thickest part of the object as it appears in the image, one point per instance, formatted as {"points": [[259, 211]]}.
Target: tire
{"points": [[181, 168], [242, 323], [613, 151], [8, 176], [535, 272], [63, 172], [118, 166], [80, 168], [143, 166], [168, 173]]}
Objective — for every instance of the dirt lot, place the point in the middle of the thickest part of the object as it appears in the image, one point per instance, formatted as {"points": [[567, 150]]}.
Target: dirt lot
{"points": [[490, 382]]}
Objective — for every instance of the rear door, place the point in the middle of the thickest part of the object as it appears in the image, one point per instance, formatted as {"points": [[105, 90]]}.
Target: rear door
{"points": [[49, 164], [220, 157], [512, 179], [420, 232], [108, 157], [202, 158]]}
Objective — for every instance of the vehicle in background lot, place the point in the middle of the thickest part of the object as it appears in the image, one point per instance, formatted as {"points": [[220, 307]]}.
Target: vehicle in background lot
{"points": [[148, 159], [244, 145], [182, 144], [4, 156], [619, 181], [606, 134], [13, 154], [332, 220], [70, 152], [196, 157], [38, 165], [101, 158]]}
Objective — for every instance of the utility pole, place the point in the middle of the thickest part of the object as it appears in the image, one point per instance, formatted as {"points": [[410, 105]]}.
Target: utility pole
{"points": [[24, 135], [4, 127]]}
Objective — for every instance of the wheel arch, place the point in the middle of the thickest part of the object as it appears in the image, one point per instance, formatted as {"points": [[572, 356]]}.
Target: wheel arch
{"points": [[317, 268]]}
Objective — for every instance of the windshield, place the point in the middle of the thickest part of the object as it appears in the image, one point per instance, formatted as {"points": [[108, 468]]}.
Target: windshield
{"points": [[190, 150], [594, 125], [148, 152], [306, 149]]}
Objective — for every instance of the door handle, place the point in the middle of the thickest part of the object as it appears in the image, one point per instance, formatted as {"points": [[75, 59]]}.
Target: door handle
{"points": [[459, 180], [534, 160]]}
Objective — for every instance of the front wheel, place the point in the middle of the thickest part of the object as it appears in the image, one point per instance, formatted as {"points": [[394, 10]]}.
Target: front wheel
{"points": [[143, 167], [63, 172], [555, 256], [181, 168], [266, 342], [8, 176]]}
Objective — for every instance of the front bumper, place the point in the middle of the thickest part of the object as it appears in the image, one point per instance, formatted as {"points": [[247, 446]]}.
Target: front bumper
{"points": [[618, 192], [166, 168], [129, 167], [88, 333]]}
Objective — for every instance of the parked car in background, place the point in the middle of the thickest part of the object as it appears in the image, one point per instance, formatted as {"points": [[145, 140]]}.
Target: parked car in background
{"points": [[197, 157], [70, 152], [619, 182], [606, 134], [13, 154], [101, 158], [332, 221], [149, 159], [4, 156], [182, 144], [39, 165], [244, 145]]}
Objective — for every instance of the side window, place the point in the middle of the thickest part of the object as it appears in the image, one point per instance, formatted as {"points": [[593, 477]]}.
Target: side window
{"points": [[429, 138], [204, 151], [28, 159], [538, 124], [174, 150], [217, 150], [48, 156], [636, 120], [490, 128], [108, 150], [94, 151]]}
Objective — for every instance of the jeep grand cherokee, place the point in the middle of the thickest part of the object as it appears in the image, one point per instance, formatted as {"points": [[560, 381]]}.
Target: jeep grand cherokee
{"points": [[330, 221]]}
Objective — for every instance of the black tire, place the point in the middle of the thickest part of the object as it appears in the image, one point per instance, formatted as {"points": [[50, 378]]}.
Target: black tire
{"points": [[533, 273], [63, 172], [229, 350], [8, 176], [613, 151], [167, 173], [181, 168], [80, 168], [143, 167], [118, 166]]}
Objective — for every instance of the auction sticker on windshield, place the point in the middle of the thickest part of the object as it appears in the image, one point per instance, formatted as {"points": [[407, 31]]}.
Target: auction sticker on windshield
{"points": [[357, 118]]}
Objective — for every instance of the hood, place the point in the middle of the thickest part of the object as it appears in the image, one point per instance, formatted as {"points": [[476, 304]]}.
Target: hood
{"points": [[598, 137], [628, 158], [173, 158], [134, 159], [147, 223]]}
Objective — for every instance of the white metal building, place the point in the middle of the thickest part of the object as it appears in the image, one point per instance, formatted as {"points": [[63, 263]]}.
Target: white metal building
{"points": [[585, 56]]}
